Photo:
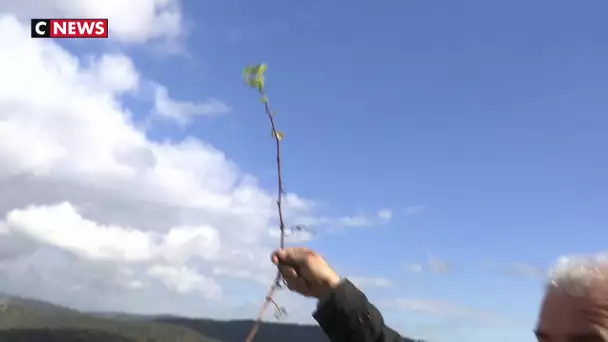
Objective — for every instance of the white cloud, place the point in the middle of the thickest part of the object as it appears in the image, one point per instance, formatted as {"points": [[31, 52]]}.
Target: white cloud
{"points": [[438, 266], [381, 217], [183, 280], [292, 236], [370, 282], [414, 268], [439, 308], [91, 208], [298, 212], [183, 112], [385, 214], [62, 226], [434, 265], [115, 73], [520, 269], [62, 272], [136, 285], [412, 210], [78, 175], [133, 21], [514, 269]]}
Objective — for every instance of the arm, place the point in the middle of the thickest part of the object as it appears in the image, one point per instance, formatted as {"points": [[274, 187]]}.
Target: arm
{"points": [[344, 313], [347, 316]]}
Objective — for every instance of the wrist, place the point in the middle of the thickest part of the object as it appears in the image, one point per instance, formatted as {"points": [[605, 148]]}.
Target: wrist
{"points": [[328, 287], [334, 282]]}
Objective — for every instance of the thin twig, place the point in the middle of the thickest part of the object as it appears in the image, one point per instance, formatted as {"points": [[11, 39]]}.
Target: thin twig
{"points": [[277, 281]]}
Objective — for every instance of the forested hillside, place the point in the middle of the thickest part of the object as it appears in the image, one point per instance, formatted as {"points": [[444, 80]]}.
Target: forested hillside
{"points": [[23, 319], [33, 320]]}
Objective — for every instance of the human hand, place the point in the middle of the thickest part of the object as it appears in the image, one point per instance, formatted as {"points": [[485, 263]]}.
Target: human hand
{"points": [[305, 271]]}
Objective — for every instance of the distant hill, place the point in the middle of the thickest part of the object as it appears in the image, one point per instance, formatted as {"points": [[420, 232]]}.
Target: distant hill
{"points": [[60, 335], [24, 319], [237, 330], [37, 320]]}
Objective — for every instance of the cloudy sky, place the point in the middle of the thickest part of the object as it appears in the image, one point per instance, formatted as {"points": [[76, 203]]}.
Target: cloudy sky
{"points": [[444, 153]]}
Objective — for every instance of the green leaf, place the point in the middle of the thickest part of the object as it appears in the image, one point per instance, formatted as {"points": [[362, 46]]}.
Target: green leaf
{"points": [[247, 76], [254, 75], [280, 136]]}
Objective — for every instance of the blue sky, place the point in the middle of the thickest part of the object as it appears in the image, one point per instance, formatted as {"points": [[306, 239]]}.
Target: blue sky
{"points": [[491, 115]]}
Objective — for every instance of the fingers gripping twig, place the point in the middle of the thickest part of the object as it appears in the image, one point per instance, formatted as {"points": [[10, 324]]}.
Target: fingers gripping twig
{"points": [[254, 77]]}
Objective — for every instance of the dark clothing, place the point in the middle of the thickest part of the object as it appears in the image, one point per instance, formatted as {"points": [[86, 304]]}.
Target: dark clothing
{"points": [[347, 316]]}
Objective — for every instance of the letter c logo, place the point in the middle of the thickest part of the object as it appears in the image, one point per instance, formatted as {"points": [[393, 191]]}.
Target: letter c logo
{"points": [[37, 28]]}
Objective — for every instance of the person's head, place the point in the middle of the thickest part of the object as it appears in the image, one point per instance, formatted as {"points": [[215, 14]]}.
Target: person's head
{"points": [[575, 307]]}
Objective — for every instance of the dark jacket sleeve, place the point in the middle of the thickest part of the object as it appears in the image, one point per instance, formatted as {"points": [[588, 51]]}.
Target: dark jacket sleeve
{"points": [[347, 316]]}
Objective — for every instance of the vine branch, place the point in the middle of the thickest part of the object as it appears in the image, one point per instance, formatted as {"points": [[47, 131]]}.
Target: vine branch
{"points": [[254, 77]]}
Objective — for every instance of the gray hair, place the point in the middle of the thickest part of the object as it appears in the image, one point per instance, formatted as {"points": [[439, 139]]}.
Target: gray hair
{"points": [[575, 274]]}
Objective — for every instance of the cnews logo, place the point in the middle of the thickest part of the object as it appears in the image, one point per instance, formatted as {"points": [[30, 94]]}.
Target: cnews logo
{"points": [[69, 28]]}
